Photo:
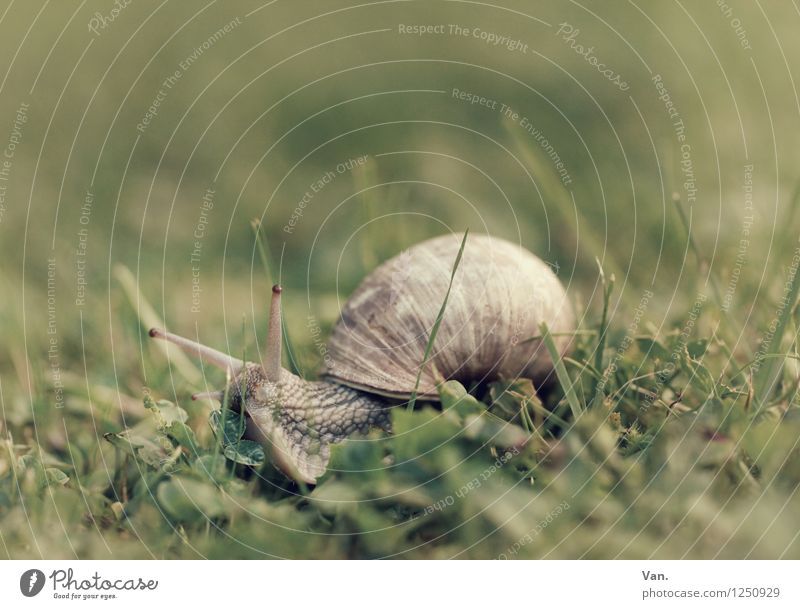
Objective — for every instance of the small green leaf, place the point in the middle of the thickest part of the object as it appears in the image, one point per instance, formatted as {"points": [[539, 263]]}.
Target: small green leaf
{"points": [[697, 348], [488, 429], [699, 376], [141, 449], [453, 395], [245, 452], [165, 413], [77, 456], [29, 461], [183, 435], [233, 425], [422, 432], [211, 466], [56, 476], [190, 500], [335, 498], [361, 456], [652, 348], [510, 398]]}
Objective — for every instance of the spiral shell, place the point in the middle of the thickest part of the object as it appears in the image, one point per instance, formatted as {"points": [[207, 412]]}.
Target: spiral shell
{"points": [[499, 296]]}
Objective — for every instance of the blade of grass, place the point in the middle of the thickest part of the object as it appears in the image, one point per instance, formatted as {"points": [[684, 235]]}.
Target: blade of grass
{"points": [[731, 326], [364, 177], [788, 236], [608, 286], [437, 323], [150, 319], [552, 190], [561, 371], [220, 431], [242, 389], [698, 254], [767, 375], [574, 333], [583, 367], [766, 356]]}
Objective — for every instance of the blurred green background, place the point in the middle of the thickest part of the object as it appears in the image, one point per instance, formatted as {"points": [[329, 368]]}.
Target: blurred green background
{"points": [[258, 101]]}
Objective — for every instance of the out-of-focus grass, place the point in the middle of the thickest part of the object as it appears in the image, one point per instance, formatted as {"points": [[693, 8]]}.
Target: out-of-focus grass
{"points": [[672, 456], [673, 462]]}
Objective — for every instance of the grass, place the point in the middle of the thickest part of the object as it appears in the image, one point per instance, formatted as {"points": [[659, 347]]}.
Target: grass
{"points": [[438, 322], [670, 430], [561, 371], [661, 466]]}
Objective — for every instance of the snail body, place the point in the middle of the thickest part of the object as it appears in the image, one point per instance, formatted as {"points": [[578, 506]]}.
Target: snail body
{"points": [[500, 293]]}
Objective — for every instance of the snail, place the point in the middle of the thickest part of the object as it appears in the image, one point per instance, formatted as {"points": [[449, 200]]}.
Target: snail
{"points": [[499, 295]]}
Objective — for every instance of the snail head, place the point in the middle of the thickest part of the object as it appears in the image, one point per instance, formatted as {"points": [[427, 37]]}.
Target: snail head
{"points": [[248, 382], [266, 393]]}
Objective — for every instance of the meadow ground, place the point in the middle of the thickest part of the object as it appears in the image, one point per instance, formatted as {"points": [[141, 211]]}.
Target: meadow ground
{"points": [[646, 151]]}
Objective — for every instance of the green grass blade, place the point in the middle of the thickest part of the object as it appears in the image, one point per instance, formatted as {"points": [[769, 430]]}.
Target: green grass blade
{"points": [[608, 286], [766, 375], [150, 319], [437, 323], [364, 177], [553, 190], [702, 261], [530, 339], [561, 371]]}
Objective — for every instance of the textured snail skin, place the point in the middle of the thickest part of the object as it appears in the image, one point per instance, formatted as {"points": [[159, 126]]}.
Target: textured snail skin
{"points": [[298, 420]]}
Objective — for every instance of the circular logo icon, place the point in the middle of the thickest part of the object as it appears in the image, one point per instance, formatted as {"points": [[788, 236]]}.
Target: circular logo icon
{"points": [[31, 582]]}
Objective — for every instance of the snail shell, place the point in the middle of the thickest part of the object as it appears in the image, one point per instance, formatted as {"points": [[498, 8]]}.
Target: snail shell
{"points": [[500, 294]]}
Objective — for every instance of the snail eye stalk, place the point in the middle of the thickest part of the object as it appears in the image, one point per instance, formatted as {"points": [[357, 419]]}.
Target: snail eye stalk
{"points": [[209, 395], [272, 364], [219, 359]]}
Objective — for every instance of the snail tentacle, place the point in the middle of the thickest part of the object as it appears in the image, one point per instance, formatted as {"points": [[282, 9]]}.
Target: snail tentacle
{"points": [[212, 356]]}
